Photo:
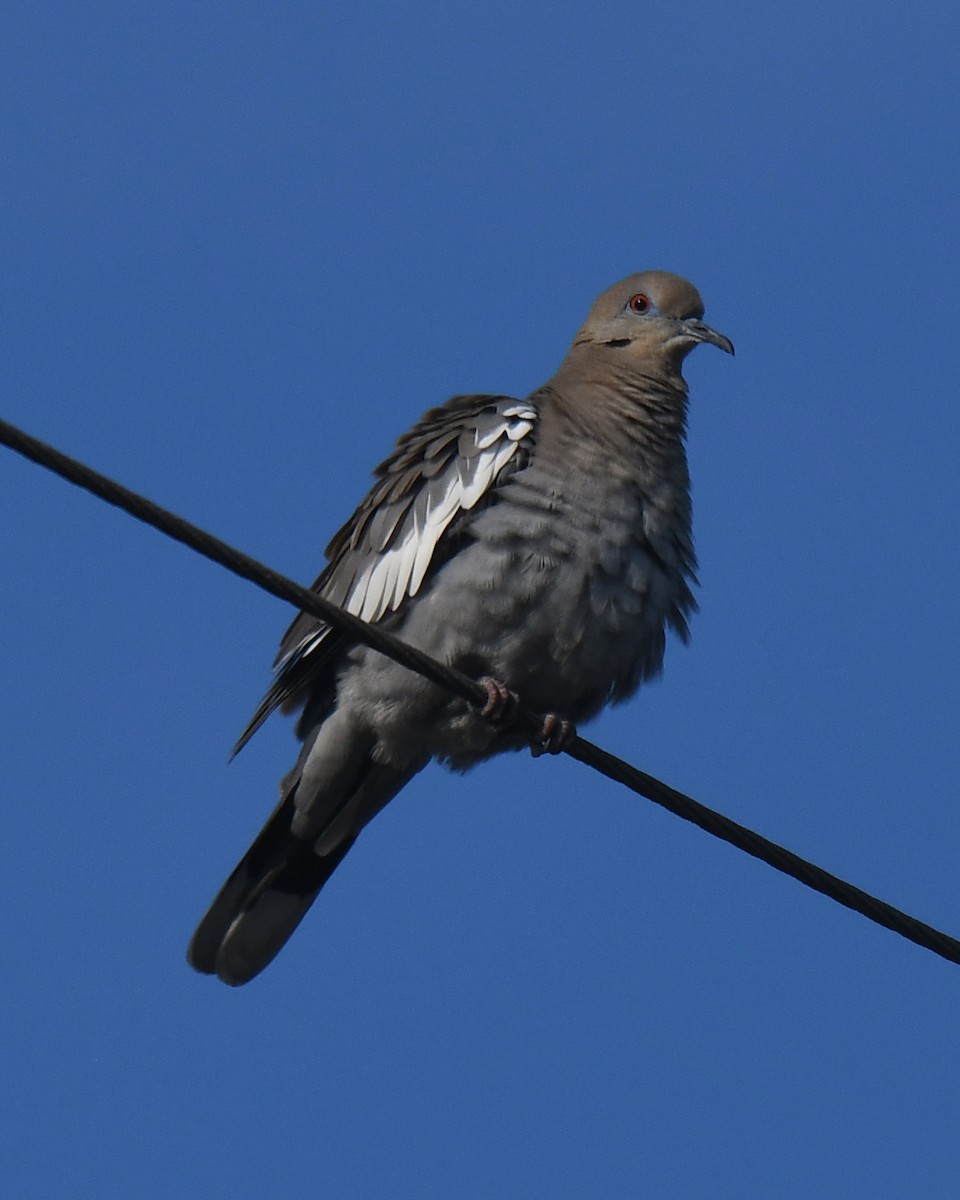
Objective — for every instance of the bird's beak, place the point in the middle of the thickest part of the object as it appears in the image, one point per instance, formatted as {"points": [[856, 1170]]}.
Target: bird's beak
{"points": [[700, 332]]}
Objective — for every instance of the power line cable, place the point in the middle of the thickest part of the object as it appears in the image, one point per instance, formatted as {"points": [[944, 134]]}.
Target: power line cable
{"points": [[614, 768]]}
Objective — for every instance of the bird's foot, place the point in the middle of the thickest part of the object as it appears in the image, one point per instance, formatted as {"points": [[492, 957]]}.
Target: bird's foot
{"points": [[556, 735], [500, 700]]}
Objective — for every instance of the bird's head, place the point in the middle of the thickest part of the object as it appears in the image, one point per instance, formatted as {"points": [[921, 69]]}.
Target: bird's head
{"points": [[650, 320]]}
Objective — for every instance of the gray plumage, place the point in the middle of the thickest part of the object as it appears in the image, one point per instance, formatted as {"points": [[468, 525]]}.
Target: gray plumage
{"points": [[543, 542]]}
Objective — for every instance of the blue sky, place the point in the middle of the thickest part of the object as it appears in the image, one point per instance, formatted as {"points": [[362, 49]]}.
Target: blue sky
{"points": [[243, 248]]}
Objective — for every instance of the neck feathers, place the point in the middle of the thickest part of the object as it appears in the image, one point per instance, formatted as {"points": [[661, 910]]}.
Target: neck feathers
{"points": [[606, 399]]}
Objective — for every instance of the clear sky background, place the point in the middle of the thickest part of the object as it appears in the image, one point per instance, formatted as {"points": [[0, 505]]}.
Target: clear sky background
{"points": [[243, 247]]}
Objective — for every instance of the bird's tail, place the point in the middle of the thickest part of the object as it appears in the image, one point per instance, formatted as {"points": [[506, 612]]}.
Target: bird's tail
{"points": [[272, 887]]}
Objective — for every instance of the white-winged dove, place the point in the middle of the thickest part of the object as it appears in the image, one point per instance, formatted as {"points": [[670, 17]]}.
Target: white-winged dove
{"points": [[542, 545]]}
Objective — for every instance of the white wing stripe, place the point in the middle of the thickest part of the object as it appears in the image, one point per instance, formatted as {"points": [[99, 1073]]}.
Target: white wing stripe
{"points": [[399, 572], [484, 449]]}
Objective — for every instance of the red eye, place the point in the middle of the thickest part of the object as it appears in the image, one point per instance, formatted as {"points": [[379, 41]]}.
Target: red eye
{"points": [[640, 303]]}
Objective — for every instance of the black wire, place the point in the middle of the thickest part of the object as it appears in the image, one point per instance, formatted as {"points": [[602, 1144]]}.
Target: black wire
{"points": [[586, 752]]}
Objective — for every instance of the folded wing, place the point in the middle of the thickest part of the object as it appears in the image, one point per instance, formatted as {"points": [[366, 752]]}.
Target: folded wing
{"points": [[406, 527]]}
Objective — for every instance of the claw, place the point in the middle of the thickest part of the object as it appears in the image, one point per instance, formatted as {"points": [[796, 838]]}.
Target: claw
{"points": [[556, 735], [500, 700]]}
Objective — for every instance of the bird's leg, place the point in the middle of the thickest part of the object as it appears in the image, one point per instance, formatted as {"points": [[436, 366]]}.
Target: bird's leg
{"points": [[555, 734]]}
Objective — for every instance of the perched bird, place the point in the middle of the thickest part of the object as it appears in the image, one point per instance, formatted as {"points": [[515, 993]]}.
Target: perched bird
{"points": [[541, 545]]}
